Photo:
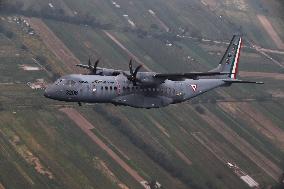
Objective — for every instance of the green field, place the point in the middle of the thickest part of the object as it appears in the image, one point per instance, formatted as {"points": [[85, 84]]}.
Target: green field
{"points": [[181, 146]]}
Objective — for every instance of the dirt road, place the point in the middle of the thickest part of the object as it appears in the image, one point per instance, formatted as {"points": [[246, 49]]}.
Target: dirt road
{"points": [[86, 127], [126, 50], [162, 24], [55, 45], [264, 53], [271, 31], [1, 186]]}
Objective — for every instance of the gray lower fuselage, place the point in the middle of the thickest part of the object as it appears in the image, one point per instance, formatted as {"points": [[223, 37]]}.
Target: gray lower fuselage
{"points": [[119, 90]]}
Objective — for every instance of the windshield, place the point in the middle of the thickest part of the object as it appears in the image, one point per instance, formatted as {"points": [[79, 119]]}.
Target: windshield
{"points": [[60, 82], [69, 83]]}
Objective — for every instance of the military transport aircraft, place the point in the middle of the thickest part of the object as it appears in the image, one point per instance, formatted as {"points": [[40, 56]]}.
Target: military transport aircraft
{"points": [[145, 89]]}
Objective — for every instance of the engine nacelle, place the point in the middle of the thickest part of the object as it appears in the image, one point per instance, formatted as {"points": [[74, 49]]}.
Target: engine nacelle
{"points": [[108, 72], [148, 79]]}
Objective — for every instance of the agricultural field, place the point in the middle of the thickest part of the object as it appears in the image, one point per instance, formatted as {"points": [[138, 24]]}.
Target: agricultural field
{"points": [[213, 141]]}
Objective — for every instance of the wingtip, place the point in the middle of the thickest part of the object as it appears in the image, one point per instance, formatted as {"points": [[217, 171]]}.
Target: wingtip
{"points": [[260, 83]]}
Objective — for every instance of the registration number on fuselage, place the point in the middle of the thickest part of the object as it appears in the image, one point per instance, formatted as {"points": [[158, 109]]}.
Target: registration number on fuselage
{"points": [[71, 92]]}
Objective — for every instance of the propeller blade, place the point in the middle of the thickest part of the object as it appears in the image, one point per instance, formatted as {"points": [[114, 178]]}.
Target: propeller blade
{"points": [[133, 74], [89, 63], [130, 67], [96, 65], [97, 62], [136, 70]]}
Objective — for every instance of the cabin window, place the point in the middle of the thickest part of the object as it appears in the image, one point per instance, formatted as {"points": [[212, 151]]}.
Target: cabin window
{"points": [[110, 87], [102, 88], [115, 88], [106, 87]]}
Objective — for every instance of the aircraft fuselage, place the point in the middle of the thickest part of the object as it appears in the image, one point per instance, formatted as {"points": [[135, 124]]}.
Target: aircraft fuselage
{"points": [[119, 90]]}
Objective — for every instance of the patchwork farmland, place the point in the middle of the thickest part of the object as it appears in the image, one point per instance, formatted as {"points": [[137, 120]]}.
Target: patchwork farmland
{"points": [[228, 138]]}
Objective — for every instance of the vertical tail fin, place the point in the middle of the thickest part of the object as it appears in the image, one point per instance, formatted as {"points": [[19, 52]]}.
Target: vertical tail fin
{"points": [[229, 62]]}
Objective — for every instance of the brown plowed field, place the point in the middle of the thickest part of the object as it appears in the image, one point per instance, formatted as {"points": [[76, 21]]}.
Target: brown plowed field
{"points": [[126, 50], [1, 186], [257, 119], [270, 30], [247, 149], [86, 127], [55, 45]]}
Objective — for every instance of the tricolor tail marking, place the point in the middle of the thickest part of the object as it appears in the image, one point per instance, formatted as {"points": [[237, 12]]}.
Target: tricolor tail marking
{"points": [[234, 69]]}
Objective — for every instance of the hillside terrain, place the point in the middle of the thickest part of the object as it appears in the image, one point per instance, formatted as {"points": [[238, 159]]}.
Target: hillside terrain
{"points": [[229, 138]]}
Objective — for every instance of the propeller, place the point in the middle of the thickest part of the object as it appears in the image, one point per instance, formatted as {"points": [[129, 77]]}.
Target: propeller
{"points": [[93, 68], [133, 74]]}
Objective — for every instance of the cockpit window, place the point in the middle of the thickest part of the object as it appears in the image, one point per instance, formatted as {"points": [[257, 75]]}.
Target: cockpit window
{"points": [[70, 83], [60, 81]]}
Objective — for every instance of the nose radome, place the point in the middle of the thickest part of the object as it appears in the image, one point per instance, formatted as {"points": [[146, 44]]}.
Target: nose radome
{"points": [[46, 92]]}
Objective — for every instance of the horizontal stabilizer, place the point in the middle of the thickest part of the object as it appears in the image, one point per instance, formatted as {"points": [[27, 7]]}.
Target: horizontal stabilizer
{"points": [[230, 81]]}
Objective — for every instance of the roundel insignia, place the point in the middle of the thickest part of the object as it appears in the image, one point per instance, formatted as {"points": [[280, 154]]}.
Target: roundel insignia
{"points": [[194, 87]]}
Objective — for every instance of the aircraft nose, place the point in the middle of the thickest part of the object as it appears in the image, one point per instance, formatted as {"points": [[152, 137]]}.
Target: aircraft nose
{"points": [[46, 92]]}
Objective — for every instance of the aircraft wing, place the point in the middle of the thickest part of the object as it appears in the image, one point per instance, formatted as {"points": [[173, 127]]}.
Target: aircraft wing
{"points": [[83, 66], [88, 67], [191, 75]]}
